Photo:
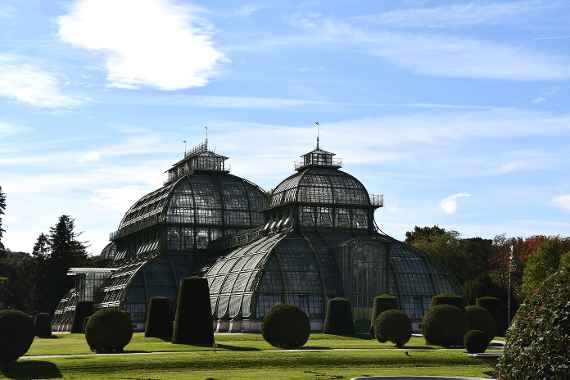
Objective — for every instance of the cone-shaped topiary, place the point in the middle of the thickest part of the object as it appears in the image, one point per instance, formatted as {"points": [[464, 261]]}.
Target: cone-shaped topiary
{"points": [[16, 335], [479, 318], [108, 330], [193, 323], [83, 310], [381, 303], [393, 326], [286, 326], [338, 320], [537, 344], [498, 310], [42, 325], [448, 299], [158, 318], [475, 341], [444, 325]]}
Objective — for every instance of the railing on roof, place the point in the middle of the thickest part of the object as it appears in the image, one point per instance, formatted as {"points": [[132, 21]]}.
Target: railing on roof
{"points": [[335, 163], [200, 148], [377, 200]]}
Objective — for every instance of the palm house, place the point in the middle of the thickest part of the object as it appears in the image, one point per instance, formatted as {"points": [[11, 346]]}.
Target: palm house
{"points": [[312, 239]]}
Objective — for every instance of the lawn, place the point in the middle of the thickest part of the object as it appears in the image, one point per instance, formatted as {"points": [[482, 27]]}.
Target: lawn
{"points": [[242, 356]]}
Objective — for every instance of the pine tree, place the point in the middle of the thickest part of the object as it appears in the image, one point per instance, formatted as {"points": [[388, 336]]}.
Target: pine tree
{"points": [[41, 247], [2, 212]]}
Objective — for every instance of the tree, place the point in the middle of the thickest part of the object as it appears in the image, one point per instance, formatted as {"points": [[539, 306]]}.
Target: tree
{"points": [[41, 248], [544, 262], [2, 212]]}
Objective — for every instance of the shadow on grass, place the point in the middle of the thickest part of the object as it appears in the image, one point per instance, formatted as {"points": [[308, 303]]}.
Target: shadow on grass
{"points": [[236, 348], [31, 369]]}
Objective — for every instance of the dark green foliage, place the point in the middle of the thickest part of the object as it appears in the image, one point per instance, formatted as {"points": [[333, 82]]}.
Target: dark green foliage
{"points": [[475, 341], [193, 322], [381, 303], [448, 299], [42, 325], [16, 334], [158, 318], [108, 330], [16, 291], [479, 318], [393, 326], [444, 325], [83, 310], [2, 212], [338, 320], [540, 265], [537, 344], [482, 286], [498, 309], [286, 326]]}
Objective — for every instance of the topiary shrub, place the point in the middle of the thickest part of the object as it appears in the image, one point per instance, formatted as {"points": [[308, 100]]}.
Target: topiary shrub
{"points": [[42, 325], [108, 330], [498, 310], [158, 318], [479, 318], [475, 341], [338, 320], [16, 335], [448, 299], [380, 304], [537, 344], [444, 325], [193, 323], [393, 326], [83, 310], [286, 326]]}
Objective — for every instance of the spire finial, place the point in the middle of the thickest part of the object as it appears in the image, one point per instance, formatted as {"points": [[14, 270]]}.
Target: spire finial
{"points": [[206, 140], [185, 146], [318, 125]]}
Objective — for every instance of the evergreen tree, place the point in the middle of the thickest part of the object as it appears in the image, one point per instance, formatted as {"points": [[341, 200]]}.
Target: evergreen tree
{"points": [[2, 212], [41, 247]]}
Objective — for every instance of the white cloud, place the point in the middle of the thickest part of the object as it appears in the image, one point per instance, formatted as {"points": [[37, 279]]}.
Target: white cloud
{"points": [[157, 43], [91, 156], [562, 202], [31, 85], [431, 53], [449, 204], [453, 15], [539, 100]]}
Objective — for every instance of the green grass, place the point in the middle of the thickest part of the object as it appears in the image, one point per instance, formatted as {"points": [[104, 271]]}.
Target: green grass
{"points": [[243, 356]]}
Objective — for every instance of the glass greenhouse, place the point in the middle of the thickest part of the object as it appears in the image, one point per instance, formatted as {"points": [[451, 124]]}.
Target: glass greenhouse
{"points": [[314, 238]]}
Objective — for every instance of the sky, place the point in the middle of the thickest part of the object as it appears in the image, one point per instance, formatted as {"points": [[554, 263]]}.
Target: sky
{"points": [[456, 111]]}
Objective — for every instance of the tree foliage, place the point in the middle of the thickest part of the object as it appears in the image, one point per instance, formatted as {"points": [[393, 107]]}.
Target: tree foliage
{"points": [[544, 262]]}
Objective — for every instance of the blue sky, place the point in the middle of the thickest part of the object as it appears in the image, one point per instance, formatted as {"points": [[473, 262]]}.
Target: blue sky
{"points": [[456, 111]]}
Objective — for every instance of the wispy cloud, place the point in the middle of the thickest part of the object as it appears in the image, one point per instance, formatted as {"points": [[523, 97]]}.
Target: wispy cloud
{"points": [[562, 202], [432, 53], [157, 43], [26, 83], [449, 204], [453, 15]]}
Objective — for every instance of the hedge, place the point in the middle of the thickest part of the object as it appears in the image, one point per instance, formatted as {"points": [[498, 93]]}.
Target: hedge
{"points": [[16, 335], [475, 341], [479, 318], [193, 322], [42, 325], [108, 330], [286, 326], [393, 326], [83, 310], [381, 303], [537, 344], [444, 325], [158, 318], [338, 319], [448, 299]]}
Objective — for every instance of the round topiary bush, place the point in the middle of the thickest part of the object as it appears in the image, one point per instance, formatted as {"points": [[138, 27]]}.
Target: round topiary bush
{"points": [[479, 318], [448, 299], [444, 325], [42, 325], [158, 318], [538, 343], [393, 326], [380, 304], [286, 326], [108, 330], [16, 335], [338, 320], [475, 341]]}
